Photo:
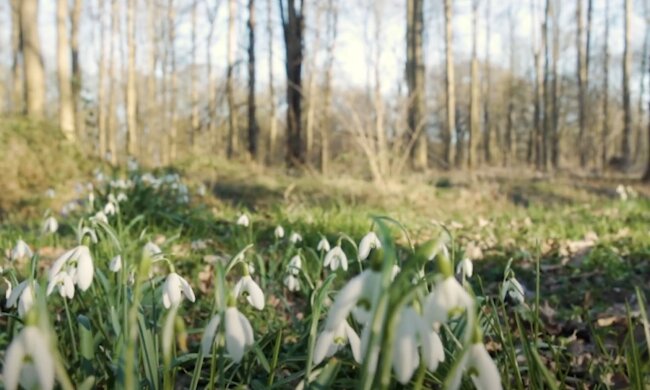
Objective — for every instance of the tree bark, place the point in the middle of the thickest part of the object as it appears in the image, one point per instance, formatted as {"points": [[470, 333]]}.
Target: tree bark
{"points": [[415, 79], [273, 125], [77, 80], [253, 128], [326, 126], [111, 125], [474, 127], [171, 41], [510, 152], [131, 95], [627, 110], [487, 139], [605, 125], [580, 75], [555, 124], [33, 70], [233, 129], [293, 24], [311, 89], [194, 92], [66, 105], [101, 92], [449, 83], [17, 93]]}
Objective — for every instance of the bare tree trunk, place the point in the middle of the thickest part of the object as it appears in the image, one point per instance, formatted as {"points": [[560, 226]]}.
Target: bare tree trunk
{"points": [[474, 126], [415, 80], [580, 74], [547, 88], [194, 92], [131, 96], [534, 147], [588, 142], [80, 119], [212, 90], [171, 41], [233, 130], [17, 93], [627, 63], [487, 139], [510, 152], [152, 122], [311, 90], [293, 25], [112, 94], [326, 126], [639, 128], [66, 106], [32, 61], [605, 130], [253, 128], [646, 174], [555, 125], [449, 83], [273, 126], [101, 93], [380, 131]]}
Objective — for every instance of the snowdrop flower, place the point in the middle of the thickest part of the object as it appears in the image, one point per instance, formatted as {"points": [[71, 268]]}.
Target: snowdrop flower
{"points": [[465, 268], [100, 217], [295, 265], [132, 164], [482, 370], [50, 193], [292, 283], [323, 245], [201, 190], [278, 232], [295, 238], [368, 242], [432, 350], [406, 357], [110, 208], [28, 361], [116, 264], [8, 291], [238, 331], [622, 194], [121, 197], [78, 263], [21, 296], [336, 258], [394, 271], [174, 289], [446, 298], [64, 282], [243, 220], [21, 250], [50, 225], [254, 295], [331, 341], [152, 250], [360, 294], [512, 289]]}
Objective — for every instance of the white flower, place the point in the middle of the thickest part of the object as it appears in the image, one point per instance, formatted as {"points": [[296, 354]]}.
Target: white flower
{"points": [[292, 283], [368, 242], [174, 289], [447, 297], [110, 208], [394, 271], [323, 245], [331, 341], [295, 238], [336, 258], [91, 199], [432, 350], [484, 373], [405, 345], [295, 265], [620, 190], [78, 263], [121, 197], [28, 361], [152, 250], [238, 330], [21, 296], [465, 268], [116, 264], [63, 280], [360, 294], [278, 232], [21, 250], [247, 286], [8, 291], [50, 225], [243, 220], [100, 217], [50, 193], [513, 289]]}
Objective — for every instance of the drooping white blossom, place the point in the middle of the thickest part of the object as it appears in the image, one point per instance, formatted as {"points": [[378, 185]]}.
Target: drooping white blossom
{"points": [[323, 245], [174, 289], [237, 329], [278, 232], [21, 250], [246, 286], [29, 361], [78, 263], [331, 341], [336, 258], [368, 242]]}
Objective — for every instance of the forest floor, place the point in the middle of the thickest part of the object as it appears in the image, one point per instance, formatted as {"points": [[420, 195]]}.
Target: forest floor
{"points": [[587, 244]]}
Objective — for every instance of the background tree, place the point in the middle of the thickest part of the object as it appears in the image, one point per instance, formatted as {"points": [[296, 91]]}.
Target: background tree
{"points": [[627, 66], [253, 128], [33, 70], [415, 80], [233, 129], [66, 105], [450, 102], [474, 103]]}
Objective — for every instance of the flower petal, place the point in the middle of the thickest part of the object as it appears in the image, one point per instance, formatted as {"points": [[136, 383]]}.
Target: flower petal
{"points": [[488, 374], [85, 269], [354, 341], [34, 342], [187, 289], [255, 294], [323, 343], [209, 334], [345, 300], [13, 363], [235, 334]]}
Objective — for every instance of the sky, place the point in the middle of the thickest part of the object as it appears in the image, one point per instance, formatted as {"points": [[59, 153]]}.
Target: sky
{"points": [[352, 46]]}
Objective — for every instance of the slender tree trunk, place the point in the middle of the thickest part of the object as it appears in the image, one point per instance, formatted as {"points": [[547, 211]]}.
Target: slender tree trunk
{"points": [[627, 63], [112, 94], [131, 95], [66, 105], [101, 91], [194, 92], [415, 79], [605, 125], [588, 142], [171, 30], [646, 174], [311, 90], [80, 118], [474, 92], [547, 121], [212, 84], [152, 122], [487, 139], [510, 152], [534, 147], [233, 130], [32, 61], [17, 93], [326, 126], [273, 125], [640, 114], [580, 74], [380, 131], [555, 125], [449, 83], [253, 128], [293, 26]]}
